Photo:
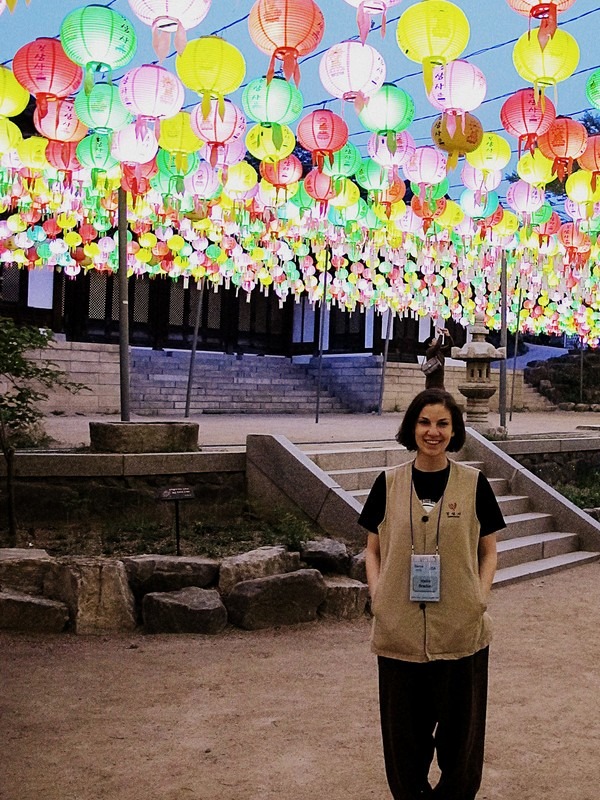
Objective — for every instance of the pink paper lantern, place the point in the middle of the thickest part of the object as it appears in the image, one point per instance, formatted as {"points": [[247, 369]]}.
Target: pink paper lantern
{"points": [[218, 129], [170, 16], [366, 9], [458, 87], [128, 146], [352, 72], [151, 93], [427, 166], [524, 198], [204, 183]]}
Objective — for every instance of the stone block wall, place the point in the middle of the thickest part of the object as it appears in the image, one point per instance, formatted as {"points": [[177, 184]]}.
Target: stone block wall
{"points": [[355, 380]]}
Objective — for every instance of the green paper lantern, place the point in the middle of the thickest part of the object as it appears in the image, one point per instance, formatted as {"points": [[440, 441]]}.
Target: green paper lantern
{"points": [[277, 102], [101, 109], [389, 110]]}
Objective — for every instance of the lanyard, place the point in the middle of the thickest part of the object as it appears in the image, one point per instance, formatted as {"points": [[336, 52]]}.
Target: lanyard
{"points": [[441, 502]]}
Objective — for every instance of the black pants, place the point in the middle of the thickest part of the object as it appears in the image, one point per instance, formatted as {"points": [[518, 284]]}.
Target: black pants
{"points": [[441, 706]]}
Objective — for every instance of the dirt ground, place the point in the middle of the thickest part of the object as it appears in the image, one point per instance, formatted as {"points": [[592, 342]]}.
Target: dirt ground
{"points": [[290, 713]]}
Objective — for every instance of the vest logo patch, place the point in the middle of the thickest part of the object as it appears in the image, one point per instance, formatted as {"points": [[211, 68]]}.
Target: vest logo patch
{"points": [[453, 512]]}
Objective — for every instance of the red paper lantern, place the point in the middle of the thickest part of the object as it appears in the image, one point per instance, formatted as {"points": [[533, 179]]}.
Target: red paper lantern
{"points": [[590, 158], [60, 122], [564, 141], [43, 68], [286, 30], [282, 173], [63, 156], [523, 117], [319, 186], [323, 133]]}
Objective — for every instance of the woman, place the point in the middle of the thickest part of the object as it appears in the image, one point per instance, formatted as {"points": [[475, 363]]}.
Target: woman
{"points": [[431, 559], [438, 346]]}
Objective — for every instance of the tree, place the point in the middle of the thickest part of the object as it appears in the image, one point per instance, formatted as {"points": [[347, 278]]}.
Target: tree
{"points": [[25, 382]]}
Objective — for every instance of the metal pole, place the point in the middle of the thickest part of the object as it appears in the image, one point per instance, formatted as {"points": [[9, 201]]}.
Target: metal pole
{"points": [[581, 371], [386, 348], [512, 390], [123, 305], [322, 334], [503, 339], [188, 394]]}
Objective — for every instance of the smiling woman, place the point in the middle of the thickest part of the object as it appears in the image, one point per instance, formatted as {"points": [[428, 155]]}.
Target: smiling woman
{"points": [[431, 558]]}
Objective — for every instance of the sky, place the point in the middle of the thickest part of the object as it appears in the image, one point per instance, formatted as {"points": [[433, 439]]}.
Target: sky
{"points": [[494, 29]]}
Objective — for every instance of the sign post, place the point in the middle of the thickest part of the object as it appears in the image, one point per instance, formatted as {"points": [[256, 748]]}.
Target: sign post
{"points": [[174, 494]]}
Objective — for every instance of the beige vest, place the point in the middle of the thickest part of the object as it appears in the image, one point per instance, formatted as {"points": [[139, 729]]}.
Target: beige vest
{"points": [[457, 625]]}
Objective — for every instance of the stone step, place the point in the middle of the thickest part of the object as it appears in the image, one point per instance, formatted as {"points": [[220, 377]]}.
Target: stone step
{"points": [[543, 566], [499, 486], [511, 504], [526, 524], [533, 548], [358, 457]]}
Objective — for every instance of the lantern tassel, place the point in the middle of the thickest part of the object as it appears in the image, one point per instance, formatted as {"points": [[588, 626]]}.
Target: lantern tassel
{"points": [[363, 21], [383, 23], [160, 41], [180, 39], [450, 120], [271, 70], [205, 105], [547, 12]]}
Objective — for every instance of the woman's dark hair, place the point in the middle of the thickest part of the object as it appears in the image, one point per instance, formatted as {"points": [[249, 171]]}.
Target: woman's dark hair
{"points": [[431, 397]]}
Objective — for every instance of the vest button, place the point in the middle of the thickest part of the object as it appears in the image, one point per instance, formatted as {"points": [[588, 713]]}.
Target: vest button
{"points": [[424, 519]]}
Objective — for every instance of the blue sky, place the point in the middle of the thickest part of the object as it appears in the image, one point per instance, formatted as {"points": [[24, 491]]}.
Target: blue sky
{"points": [[494, 28]]}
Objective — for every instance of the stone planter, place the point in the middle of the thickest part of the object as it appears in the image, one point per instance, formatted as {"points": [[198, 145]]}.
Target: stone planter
{"points": [[144, 437]]}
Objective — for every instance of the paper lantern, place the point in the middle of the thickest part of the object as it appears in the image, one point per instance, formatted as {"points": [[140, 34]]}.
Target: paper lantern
{"points": [[135, 178], [240, 178], [389, 111], [101, 109], [345, 162], [212, 68], [32, 152], [282, 174], [403, 148], [535, 168], [548, 66], [564, 141], [524, 198], [460, 140], [457, 87], [94, 152], [323, 133], [170, 16], [60, 122], [366, 9], [99, 39], [10, 135], [13, 96], [286, 30], [492, 154], [218, 129], [275, 102], [204, 182], [151, 93], [63, 156], [478, 208], [426, 166], [347, 193], [228, 154], [522, 116], [270, 143], [574, 239], [432, 32], [546, 12], [372, 176], [352, 71], [592, 88], [177, 136], [45, 70], [479, 181], [582, 188], [320, 187], [132, 146]]}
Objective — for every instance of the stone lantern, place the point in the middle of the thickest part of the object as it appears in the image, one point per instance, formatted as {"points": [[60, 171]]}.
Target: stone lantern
{"points": [[478, 355]]}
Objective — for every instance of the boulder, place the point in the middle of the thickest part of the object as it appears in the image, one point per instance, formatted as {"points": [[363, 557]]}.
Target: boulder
{"points": [[566, 406], [190, 610], [581, 407], [276, 600], [156, 573], [24, 569], [22, 612], [346, 598], [358, 567], [326, 555], [259, 563], [96, 592]]}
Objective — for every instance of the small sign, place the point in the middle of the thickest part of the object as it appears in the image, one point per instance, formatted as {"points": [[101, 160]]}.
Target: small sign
{"points": [[176, 493]]}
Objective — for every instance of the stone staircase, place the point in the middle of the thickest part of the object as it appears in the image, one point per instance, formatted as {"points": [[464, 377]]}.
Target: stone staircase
{"points": [[532, 544], [224, 384], [534, 401]]}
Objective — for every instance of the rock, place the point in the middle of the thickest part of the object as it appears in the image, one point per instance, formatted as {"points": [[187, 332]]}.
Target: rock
{"points": [[581, 407], [190, 610], [276, 600], [156, 573], [144, 437], [566, 406], [259, 563], [346, 598], [326, 555], [358, 567], [96, 592], [22, 612], [24, 569], [595, 407]]}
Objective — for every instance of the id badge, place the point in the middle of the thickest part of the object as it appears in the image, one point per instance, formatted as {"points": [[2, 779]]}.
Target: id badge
{"points": [[425, 578]]}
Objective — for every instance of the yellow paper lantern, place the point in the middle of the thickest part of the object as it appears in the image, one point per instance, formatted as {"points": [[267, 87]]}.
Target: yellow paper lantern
{"points": [[177, 136], [32, 152], [347, 194], [432, 33], [240, 179], [544, 67], [10, 135], [13, 96], [211, 67], [451, 216], [270, 143], [582, 188], [492, 154], [535, 168], [508, 225]]}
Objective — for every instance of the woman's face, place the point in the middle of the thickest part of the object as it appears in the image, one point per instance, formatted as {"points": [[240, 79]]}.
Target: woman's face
{"points": [[433, 430]]}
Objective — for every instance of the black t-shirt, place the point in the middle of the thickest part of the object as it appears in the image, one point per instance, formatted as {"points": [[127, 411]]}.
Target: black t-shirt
{"points": [[429, 487]]}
